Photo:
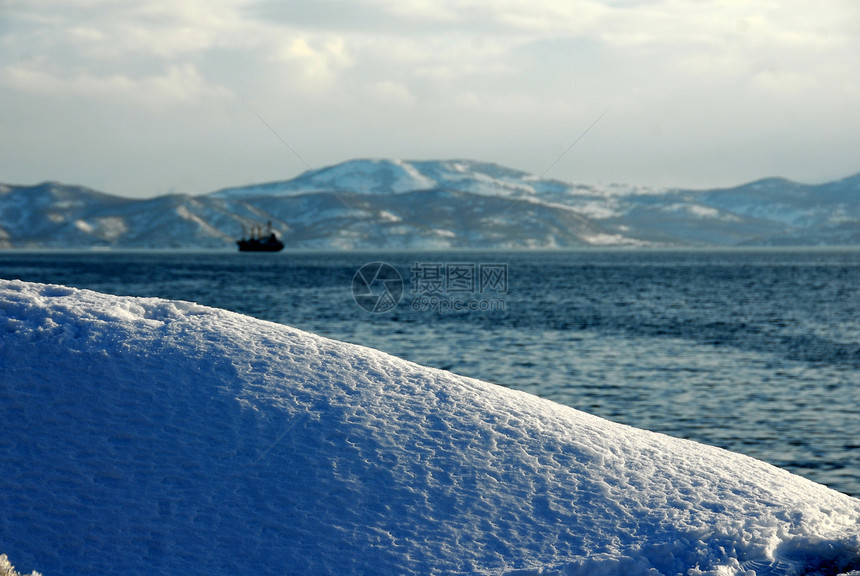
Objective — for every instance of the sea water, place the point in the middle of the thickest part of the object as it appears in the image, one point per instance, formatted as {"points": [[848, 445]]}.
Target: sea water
{"points": [[756, 351]]}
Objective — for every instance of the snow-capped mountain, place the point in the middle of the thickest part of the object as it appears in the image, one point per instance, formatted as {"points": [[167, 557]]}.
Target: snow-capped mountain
{"points": [[363, 204], [398, 176]]}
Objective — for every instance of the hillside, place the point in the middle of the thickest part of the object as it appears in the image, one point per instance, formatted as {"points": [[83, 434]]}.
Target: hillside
{"points": [[394, 204]]}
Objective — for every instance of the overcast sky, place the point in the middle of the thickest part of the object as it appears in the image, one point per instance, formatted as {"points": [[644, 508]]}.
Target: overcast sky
{"points": [[146, 97]]}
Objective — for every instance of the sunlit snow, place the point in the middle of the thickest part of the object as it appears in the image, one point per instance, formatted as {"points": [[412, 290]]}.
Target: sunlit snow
{"points": [[144, 436]]}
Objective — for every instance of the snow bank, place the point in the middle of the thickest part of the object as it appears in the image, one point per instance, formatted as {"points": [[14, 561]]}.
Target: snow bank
{"points": [[6, 568], [143, 436]]}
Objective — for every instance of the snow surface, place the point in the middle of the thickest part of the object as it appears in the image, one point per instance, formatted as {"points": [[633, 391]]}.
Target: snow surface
{"points": [[144, 436]]}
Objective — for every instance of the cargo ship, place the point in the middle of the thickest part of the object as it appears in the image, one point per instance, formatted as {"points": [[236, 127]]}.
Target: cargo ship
{"points": [[256, 241]]}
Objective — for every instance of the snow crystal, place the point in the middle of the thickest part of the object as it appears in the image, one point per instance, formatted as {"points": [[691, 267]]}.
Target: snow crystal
{"points": [[6, 568], [148, 436]]}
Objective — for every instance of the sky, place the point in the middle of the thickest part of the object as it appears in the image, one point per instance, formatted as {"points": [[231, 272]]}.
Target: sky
{"points": [[149, 97]]}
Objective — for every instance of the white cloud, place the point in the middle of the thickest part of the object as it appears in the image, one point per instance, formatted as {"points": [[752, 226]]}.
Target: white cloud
{"points": [[551, 17], [421, 10], [511, 81], [393, 93], [314, 64], [178, 85]]}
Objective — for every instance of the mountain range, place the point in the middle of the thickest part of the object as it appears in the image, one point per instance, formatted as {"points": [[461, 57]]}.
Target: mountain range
{"points": [[396, 204]]}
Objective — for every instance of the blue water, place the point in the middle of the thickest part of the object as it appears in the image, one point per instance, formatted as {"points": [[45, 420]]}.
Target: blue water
{"points": [[757, 351]]}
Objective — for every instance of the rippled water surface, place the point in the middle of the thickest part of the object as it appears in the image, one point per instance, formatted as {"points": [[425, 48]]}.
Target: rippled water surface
{"points": [[757, 351]]}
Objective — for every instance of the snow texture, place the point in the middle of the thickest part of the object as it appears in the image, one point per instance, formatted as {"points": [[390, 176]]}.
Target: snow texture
{"points": [[6, 568], [144, 436]]}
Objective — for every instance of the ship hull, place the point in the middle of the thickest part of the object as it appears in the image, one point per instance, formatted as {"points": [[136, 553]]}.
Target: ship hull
{"points": [[257, 246]]}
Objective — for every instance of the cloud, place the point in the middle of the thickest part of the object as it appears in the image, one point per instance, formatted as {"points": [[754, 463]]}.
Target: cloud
{"points": [[390, 92], [511, 81], [313, 63], [179, 85], [365, 17]]}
